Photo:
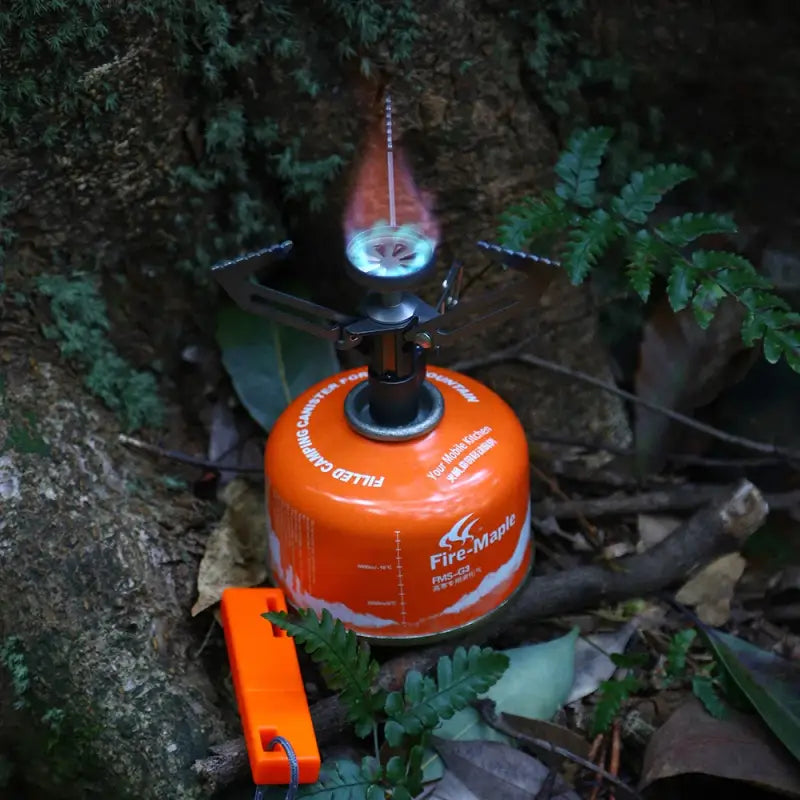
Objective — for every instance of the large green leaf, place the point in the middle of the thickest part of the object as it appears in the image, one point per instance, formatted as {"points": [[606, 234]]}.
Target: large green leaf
{"points": [[270, 364], [536, 684], [770, 683]]}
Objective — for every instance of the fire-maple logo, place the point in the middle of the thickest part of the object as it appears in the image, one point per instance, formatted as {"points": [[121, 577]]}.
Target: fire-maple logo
{"points": [[460, 534], [456, 535]]}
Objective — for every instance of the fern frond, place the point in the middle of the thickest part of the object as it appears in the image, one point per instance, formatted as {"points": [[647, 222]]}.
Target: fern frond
{"points": [[678, 652], [645, 189], [459, 680], [705, 301], [705, 691], [682, 230], [613, 694], [579, 165], [345, 662], [785, 343], [645, 252], [681, 283], [587, 242], [532, 220]]}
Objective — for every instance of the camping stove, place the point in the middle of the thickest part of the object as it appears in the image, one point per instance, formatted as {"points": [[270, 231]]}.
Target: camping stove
{"points": [[398, 495]]}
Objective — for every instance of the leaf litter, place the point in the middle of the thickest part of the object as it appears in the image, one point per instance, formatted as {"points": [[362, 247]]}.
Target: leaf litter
{"points": [[236, 548]]}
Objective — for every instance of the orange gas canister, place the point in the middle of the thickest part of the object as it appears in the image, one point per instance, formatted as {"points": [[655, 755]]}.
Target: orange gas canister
{"points": [[404, 540]]}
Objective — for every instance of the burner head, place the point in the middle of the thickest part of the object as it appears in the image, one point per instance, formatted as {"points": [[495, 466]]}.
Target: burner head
{"points": [[386, 259]]}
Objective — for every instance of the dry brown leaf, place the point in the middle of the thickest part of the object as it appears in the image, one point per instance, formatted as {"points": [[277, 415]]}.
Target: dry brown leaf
{"points": [[738, 748], [450, 788], [494, 770], [710, 591], [654, 528], [557, 735], [683, 367], [236, 551]]}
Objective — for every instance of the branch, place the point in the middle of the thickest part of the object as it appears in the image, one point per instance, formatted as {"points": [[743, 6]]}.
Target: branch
{"points": [[513, 354], [680, 498], [711, 532]]}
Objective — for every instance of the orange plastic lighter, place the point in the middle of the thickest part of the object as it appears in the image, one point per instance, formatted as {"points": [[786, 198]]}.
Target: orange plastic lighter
{"points": [[269, 687]]}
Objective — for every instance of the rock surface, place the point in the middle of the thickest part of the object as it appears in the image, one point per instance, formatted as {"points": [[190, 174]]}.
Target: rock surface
{"points": [[97, 570]]}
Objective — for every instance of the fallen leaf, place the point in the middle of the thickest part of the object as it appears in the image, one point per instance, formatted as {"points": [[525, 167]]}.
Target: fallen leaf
{"points": [[450, 788], [737, 748], [557, 735], [493, 770], [653, 529], [592, 662], [683, 367], [536, 684], [231, 441], [770, 683], [270, 364], [236, 551], [710, 591]]}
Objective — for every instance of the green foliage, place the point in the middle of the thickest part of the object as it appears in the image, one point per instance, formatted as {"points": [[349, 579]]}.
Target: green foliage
{"points": [[645, 190], [81, 326], [705, 690], [559, 61], [579, 166], [61, 56], [363, 24], [407, 716], [345, 662], [612, 696], [592, 229], [13, 660], [425, 701], [678, 652], [711, 684]]}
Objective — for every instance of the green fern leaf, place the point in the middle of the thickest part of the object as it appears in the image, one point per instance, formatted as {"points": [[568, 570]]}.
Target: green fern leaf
{"points": [[532, 220], [781, 342], [345, 662], [681, 282], [459, 680], [645, 189], [716, 260], [704, 690], [678, 652], [579, 165], [587, 242], [644, 254], [338, 780], [705, 301], [680, 231], [612, 695]]}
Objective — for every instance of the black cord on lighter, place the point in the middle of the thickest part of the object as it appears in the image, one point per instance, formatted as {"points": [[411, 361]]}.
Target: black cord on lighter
{"points": [[294, 769]]}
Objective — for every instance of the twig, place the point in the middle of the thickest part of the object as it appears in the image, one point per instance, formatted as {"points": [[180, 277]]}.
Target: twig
{"points": [[681, 498], [599, 771], [591, 531], [514, 354], [498, 721], [183, 458], [709, 533], [677, 458], [613, 762]]}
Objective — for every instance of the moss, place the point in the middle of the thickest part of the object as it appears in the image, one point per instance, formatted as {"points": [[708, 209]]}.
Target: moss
{"points": [[80, 325]]}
